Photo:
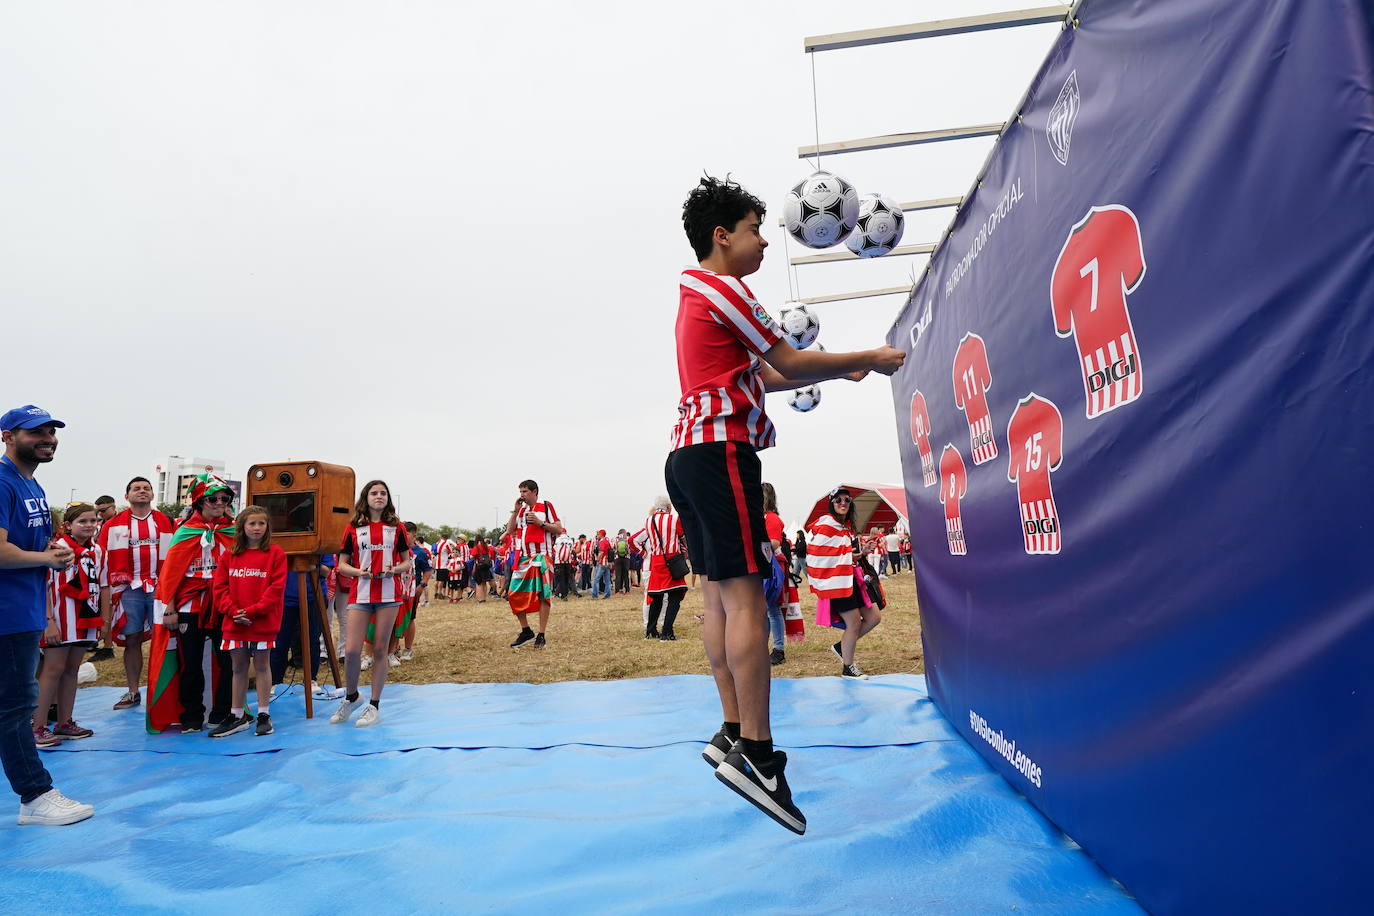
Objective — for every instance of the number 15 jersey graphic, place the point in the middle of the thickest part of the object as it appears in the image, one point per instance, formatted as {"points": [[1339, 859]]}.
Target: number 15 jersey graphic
{"points": [[972, 379], [1102, 260], [1035, 438], [953, 487], [920, 437]]}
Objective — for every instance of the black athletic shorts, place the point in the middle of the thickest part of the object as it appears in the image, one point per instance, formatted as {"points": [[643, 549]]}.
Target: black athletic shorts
{"points": [[717, 488], [442, 576]]}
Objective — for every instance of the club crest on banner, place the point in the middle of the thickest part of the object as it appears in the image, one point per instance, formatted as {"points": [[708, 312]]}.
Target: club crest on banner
{"points": [[1059, 128]]}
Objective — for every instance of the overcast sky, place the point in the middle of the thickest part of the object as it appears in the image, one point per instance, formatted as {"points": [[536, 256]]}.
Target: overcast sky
{"points": [[439, 242]]}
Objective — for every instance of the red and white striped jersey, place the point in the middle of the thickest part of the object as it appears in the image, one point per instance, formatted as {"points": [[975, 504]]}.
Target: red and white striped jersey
{"points": [[133, 549], [920, 437], [441, 551], [531, 537], [953, 487], [830, 558], [74, 592], [1102, 260], [564, 549], [375, 547], [586, 552], [458, 555], [972, 379], [1035, 437], [662, 534], [721, 332]]}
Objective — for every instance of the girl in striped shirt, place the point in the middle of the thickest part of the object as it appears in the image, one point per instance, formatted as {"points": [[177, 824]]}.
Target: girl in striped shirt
{"points": [[836, 569], [78, 612], [376, 551]]}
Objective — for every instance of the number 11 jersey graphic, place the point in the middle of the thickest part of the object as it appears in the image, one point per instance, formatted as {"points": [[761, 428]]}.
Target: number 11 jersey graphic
{"points": [[1102, 260], [1035, 438], [972, 379], [920, 437]]}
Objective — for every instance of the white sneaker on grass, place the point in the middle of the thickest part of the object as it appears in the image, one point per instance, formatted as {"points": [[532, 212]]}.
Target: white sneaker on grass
{"points": [[407, 655], [367, 662], [53, 809], [370, 717], [346, 707], [393, 660]]}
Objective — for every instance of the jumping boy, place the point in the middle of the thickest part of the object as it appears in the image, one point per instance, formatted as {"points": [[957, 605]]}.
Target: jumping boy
{"points": [[730, 352]]}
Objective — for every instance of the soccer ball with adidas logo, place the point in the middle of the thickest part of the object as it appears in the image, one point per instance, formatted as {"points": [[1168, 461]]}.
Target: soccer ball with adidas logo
{"points": [[821, 210], [800, 326], [880, 226], [805, 399]]}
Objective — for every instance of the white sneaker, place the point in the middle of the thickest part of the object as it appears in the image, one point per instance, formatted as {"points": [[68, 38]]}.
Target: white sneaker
{"points": [[367, 662], [393, 660], [370, 717], [53, 809], [345, 710], [407, 655]]}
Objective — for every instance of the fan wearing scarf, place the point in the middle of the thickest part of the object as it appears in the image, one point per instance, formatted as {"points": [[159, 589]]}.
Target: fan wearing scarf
{"points": [[184, 617], [839, 577], [79, 610]]}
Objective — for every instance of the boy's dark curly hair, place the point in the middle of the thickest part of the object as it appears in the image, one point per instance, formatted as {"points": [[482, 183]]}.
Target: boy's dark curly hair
{"points": [[713, 203]]}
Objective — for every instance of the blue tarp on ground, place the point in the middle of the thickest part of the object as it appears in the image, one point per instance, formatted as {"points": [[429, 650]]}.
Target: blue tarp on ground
{"points": [[585, 797]]}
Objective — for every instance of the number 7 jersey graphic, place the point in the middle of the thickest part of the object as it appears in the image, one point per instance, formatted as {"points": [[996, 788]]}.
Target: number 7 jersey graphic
{"points": [[953, 487], [1035, 438], [1102, 260], [972, 379], [920, 437]]}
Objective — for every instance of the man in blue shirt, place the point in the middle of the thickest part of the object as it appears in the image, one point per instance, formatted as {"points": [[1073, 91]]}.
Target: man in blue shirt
{"points": [[27, 552]]}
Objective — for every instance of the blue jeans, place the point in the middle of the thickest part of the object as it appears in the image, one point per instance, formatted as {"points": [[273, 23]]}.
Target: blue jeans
{"points": [[776, 628], [18, 697], [601, 575]]}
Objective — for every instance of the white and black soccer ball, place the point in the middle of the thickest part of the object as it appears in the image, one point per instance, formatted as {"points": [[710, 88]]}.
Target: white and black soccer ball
{"points": [[805, 399], [880, 226], [821, 210], [799, 325]]}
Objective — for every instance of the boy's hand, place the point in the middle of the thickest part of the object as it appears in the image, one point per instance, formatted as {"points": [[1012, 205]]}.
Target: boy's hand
{"points": [[887, 360]]}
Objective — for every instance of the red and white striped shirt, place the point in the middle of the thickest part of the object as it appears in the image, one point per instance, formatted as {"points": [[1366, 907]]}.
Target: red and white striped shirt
{"points": [[830, 558], [721, 333], [586, 552], [563, 549], [374, 547], [531, 537], [457, 557], [78, 615], [441, 551], [662, 534], [133, 549]]}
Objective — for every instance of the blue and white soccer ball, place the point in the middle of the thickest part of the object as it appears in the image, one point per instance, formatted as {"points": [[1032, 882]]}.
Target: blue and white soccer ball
{"points": [[821, 210], [799, 325], [880, 226], [805, 399]]}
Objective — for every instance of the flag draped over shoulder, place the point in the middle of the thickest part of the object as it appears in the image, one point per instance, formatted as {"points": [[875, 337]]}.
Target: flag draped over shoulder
{"points": [[829, 558], [164, 664]]}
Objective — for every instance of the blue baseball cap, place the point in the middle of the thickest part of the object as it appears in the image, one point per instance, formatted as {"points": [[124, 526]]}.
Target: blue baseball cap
{"points": [[28, 417]]}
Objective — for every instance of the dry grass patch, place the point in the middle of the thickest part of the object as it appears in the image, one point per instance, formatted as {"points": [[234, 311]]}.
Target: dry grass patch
{"points": [[590, 640]]}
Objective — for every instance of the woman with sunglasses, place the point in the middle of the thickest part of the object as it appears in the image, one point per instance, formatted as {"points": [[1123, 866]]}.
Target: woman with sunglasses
{"points": [[837, 577]]}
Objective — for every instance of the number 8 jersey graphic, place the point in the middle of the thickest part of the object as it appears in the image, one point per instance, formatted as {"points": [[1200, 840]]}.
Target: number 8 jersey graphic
{"points": [[1102, 260], [1035, 438], [972, 379], [953, 487]]}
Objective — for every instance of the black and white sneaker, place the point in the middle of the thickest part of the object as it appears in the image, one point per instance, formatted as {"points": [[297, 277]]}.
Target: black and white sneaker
{"points": [[651, 634], [777, 657], [852, 672], [539, 641], [525, 637], [836, 649], [231, 725], [765, 790], [264, 724], [717, 748]]}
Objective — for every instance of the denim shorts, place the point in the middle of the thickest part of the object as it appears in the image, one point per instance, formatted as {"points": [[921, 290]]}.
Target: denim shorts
{"points": [[373, 607], [137, 606]]}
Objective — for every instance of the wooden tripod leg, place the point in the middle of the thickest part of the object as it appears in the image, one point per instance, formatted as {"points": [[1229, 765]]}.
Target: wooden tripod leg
{"points": [[324, 627], [303, 612]]}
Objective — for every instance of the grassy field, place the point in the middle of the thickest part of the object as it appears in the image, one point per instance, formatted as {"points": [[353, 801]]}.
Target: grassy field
{"points": [[590, 640]]}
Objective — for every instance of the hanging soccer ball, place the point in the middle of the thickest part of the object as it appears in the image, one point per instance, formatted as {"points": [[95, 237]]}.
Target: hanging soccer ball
{"points": [[804, 399], [821, 210], [799, 325], [880, 226]]}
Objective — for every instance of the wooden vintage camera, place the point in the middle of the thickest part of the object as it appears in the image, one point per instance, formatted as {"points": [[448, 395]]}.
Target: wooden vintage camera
{"points": [[310, 503]]}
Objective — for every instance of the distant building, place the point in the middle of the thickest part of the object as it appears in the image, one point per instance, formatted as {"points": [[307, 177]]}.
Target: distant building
{"points": [[173, 475]]}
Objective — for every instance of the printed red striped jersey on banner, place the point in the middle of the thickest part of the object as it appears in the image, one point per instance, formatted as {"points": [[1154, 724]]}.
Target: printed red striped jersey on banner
{"points": [[1035, 437], [920, 437], [1102, 260], [830, 558], [721, 332], [972, 379], [953, 487], [375, 547]]}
